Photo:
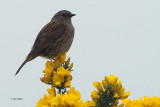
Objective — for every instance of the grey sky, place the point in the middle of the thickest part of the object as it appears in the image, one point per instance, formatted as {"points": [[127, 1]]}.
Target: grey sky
{"points": [[119, 37]]}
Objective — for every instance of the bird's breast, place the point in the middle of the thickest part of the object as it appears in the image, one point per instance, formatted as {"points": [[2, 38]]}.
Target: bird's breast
{"points": [[68, 39]]}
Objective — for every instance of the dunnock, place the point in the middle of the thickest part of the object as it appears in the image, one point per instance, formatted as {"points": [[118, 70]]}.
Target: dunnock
{"points": [[54, 39]]}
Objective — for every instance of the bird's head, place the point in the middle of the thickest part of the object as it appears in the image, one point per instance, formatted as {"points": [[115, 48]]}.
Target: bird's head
{"points": [[63, 16]]}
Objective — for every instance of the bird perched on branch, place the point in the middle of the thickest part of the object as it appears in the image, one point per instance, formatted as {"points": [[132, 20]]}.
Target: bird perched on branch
{"points": [[54, 39]]}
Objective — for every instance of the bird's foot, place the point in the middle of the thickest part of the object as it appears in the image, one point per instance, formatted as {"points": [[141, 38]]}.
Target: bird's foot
{"points": [[53, 64]]}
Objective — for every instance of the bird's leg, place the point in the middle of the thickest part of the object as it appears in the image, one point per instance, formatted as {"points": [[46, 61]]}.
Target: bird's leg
{"points": [[52, 63]]}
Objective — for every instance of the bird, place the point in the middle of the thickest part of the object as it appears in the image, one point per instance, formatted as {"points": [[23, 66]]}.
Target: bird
{"points": [[54, 39]]}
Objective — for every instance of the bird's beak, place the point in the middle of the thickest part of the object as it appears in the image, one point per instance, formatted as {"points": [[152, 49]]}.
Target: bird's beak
{"points": [[72, 15]]}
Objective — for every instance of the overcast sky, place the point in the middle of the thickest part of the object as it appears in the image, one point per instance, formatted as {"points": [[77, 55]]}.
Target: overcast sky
{"points": [[120, 37]]}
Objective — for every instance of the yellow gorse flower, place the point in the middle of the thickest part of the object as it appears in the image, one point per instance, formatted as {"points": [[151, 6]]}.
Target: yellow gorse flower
{"points": [[146, 102], [62, 58], [60, 76], [109, 91]]}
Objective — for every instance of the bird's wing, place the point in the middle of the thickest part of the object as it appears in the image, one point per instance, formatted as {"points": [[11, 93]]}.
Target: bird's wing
{"points": [[51, 32]]}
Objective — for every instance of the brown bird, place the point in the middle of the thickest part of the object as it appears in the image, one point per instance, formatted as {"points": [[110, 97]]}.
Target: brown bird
{"points": [[54, 39]]}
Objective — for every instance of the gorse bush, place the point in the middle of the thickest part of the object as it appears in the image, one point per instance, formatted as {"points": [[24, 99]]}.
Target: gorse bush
{"points": [[108, 92]]}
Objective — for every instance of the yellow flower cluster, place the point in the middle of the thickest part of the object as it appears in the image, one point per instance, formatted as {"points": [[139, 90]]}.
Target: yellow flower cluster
{"points": [[61, 100], [109, 91], [59, 76], [71, 99], [146, 102]]}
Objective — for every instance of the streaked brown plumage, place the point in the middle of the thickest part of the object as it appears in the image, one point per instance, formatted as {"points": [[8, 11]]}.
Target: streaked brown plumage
{"points": [[54, 39]]}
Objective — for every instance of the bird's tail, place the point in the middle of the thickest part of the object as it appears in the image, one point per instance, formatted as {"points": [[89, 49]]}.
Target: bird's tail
{"points": [[21, 66], [29, 58]]}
